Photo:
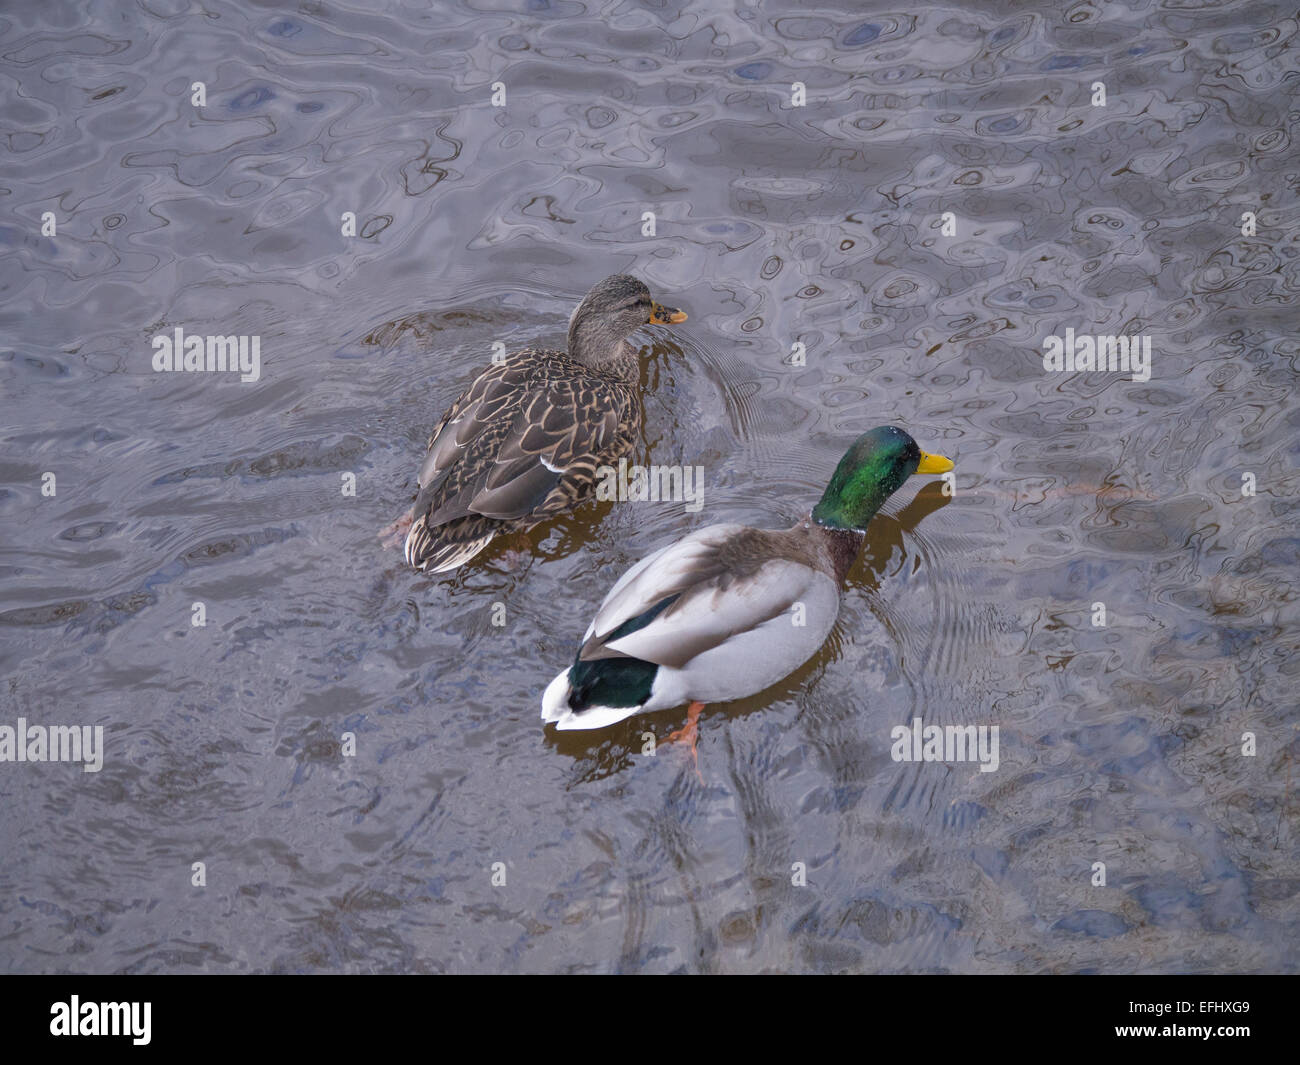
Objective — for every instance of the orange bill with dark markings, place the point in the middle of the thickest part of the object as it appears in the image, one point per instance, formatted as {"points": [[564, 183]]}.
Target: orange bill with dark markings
{"points": [[661, 315]]}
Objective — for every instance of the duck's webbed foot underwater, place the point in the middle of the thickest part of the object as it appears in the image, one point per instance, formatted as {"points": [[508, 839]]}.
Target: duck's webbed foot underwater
{"points": [[514, 559], [689, 733], [391, 536]]}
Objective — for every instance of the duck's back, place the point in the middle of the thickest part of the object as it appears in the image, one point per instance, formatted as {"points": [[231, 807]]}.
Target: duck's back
{"points": [[522, 444], [722, 613]]}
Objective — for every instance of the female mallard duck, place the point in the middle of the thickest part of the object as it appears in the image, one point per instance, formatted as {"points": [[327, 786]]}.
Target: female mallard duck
{"points": [[526, 439], [709, 618]]}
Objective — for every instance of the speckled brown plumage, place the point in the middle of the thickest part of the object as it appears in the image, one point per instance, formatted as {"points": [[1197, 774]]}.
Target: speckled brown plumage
{"points": [[492, 470], [524, 442]]}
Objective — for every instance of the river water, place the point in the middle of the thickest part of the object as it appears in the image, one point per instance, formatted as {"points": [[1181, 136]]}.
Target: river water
{"points": [[806, 847]]}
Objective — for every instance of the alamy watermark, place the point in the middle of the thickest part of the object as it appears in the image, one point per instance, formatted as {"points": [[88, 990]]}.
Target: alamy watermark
{"points": [[102, 1018], [240, 354], [635, 484], [53, 743], [1074, 354], [946, 743]]}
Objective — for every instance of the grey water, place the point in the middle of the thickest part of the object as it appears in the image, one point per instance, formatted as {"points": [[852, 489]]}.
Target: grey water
{"points": [[806, 847]]}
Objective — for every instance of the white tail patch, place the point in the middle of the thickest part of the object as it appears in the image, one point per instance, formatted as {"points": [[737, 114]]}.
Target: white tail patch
{"points": [[555, 700], [596, 717], [556, 709], [425, 553]]}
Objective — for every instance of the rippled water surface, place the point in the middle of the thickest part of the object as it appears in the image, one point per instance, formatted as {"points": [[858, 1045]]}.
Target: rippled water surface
{"points": [[776, 225]]}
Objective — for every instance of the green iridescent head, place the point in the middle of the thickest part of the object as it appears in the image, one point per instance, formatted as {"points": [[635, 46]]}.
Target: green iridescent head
{"points": [[872, 470]]}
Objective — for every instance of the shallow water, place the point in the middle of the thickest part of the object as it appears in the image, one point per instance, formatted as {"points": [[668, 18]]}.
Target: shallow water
{"points": [[775, 225]]}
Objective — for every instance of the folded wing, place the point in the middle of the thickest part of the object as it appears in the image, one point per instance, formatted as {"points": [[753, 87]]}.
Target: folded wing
{"points": [[518, 446], [693, 596]]}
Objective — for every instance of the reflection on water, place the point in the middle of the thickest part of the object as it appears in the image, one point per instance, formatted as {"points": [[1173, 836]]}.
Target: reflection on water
{"points": [[775, 226]]}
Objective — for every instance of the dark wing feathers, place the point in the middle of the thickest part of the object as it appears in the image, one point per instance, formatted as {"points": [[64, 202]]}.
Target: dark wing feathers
{"points": [[524, 442], [482, 402]]}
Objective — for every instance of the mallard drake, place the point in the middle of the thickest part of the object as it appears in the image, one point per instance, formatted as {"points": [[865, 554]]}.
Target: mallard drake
{"points": [[525, 440], [713, 616]]}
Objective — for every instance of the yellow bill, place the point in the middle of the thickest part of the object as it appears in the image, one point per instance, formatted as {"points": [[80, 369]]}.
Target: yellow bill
{"points": [[934, 464]]}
